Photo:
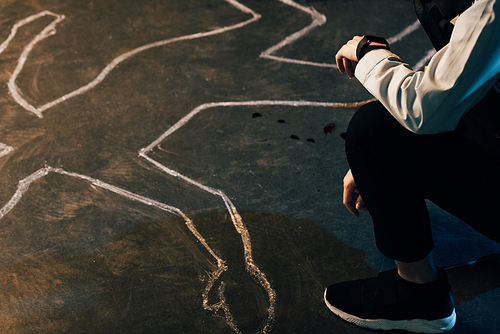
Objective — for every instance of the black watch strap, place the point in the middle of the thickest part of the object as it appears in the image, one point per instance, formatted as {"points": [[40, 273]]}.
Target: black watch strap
{"points": [[366, 41]]}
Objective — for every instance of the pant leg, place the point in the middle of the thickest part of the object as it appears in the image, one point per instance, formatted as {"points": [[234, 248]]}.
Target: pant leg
{"points": [[396, 170]]}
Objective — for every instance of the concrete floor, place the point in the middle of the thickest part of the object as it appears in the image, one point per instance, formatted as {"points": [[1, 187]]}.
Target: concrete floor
{"points": [[170, 167]]}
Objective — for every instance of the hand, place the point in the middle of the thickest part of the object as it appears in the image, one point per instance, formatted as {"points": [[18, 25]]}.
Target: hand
{"points": [[346, 57], [352, 198]]}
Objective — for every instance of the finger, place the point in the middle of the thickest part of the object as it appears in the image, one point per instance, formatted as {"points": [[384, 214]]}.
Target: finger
{"points": [[350, 194], [348, 68], [352, 209], [353, 64], [340, 63], [360, 204], [349, 200]]}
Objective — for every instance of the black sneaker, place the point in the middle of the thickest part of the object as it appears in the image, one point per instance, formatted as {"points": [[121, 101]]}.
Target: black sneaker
{"points": [[388, 302]]}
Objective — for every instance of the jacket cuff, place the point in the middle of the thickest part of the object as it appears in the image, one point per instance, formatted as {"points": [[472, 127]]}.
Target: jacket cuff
{"points": [[369, 61]]}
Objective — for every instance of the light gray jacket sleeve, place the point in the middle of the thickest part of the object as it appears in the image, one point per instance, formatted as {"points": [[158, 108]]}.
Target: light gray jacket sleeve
{"points": [[457, 76]]}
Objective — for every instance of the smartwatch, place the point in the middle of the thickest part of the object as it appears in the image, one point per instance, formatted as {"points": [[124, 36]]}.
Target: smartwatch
{"points": [[370, 41]]}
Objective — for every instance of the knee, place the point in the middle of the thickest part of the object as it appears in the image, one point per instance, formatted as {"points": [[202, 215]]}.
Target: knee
{"points": [[372, 129], [362, 127]]}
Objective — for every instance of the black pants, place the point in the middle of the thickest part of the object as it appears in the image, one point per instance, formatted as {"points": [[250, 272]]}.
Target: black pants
{"points": [[395, 170]]}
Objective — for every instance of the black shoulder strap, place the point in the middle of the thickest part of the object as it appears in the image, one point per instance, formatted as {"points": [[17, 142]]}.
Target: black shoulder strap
{"points": [[435, 16]]}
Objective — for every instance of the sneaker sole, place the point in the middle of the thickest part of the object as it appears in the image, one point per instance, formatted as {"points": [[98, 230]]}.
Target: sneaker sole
{"points": [[414, 325]]}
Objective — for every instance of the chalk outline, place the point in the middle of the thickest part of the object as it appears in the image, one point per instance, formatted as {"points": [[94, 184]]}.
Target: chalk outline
{"points": [[5, 149], [318, 19], [50, 30], [236, 219], [25, 183]]}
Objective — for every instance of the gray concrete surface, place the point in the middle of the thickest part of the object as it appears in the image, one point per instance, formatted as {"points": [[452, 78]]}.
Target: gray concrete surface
{"points": [[231, 219]]}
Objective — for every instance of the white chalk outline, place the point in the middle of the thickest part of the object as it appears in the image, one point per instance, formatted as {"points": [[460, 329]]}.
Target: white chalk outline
{"points": [[317, 20], [25, 183], [5, 149], [236, 219], [240, 227], [50, 30]]}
